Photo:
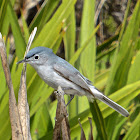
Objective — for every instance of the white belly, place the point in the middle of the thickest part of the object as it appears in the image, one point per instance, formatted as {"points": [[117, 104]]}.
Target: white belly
{"points": [[54, 80]]}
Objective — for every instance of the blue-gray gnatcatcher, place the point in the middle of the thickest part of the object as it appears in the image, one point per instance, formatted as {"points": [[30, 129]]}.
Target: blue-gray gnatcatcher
{"points": [[55, 71]]}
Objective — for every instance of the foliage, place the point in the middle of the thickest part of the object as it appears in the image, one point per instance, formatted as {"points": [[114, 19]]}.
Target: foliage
{"points": [[121, 82]]}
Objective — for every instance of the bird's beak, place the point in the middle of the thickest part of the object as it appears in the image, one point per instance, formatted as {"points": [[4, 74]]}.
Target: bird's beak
{"points": [[22, 61]]}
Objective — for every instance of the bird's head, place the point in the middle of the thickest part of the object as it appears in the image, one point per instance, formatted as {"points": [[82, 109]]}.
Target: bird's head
{"points": [[37, 56]]}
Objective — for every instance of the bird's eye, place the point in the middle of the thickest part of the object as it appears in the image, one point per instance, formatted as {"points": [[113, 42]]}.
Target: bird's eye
{"points": [[36, 57]]}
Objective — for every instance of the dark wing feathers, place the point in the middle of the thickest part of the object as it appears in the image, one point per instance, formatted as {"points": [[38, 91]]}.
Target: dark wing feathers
{"points": [[69, 72]]}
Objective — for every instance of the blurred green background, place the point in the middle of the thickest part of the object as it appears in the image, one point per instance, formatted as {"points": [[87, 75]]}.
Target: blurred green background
{"points": [[103, 44]]}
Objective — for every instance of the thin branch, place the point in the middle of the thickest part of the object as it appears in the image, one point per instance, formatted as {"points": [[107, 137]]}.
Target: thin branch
{"points": [[23, 106], [91, 129], [31, 38], [98, 11], [83, 137], [14, 115], [61, 121]]}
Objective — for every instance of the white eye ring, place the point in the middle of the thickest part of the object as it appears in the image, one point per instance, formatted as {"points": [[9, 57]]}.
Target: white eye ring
{"points": [[36, 57]]}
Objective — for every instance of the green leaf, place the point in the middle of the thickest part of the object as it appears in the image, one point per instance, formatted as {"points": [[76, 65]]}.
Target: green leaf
{"points": [[44, 14], [25, 28], [124, 53], [81, 49], [41, 123], [134, 131], [119, 124], [106, 44], [99, 121], [3, 8], [4, 24], [52, 111], [124, 21], [5, 127], [2, 81], [19, 40], [43, 98], [69, 38], [55, 46], [122, 62], [51, 30], [134, 73], [75, 133], [101, 79], [88, 57]]}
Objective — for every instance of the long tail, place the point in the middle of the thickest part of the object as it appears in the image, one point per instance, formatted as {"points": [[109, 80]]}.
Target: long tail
{"points": [[97, 94]]}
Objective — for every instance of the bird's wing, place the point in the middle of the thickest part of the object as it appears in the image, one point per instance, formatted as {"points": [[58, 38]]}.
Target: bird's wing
{"points": [[70, 73]]}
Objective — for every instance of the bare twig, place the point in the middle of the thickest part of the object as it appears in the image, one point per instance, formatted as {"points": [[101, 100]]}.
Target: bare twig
{"points": [[30, 40], [98, 10], [61, 121], [65, 127], [19, 115], [90, 135], [23, 106], [83, 137], [14, 115]]}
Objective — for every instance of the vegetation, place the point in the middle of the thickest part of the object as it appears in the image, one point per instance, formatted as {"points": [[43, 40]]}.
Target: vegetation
{"points": [[120, 81]]}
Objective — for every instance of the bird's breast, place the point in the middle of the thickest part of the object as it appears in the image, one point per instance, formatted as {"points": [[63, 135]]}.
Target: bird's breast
{"points": [[47, 75]]}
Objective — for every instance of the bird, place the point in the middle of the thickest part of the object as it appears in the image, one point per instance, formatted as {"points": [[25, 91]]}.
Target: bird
{"points": [[56, 71]]}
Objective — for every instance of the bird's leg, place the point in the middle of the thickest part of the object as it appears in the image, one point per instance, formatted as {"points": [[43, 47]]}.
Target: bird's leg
{"points": [[71, 97]]}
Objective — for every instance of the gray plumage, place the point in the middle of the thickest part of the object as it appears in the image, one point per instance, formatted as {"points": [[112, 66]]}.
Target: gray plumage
{"points": [[55, 71]]}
